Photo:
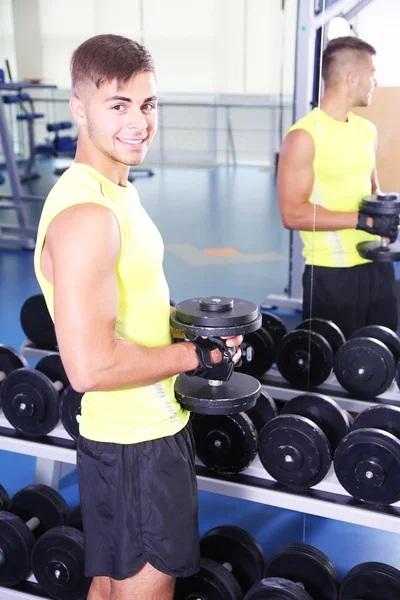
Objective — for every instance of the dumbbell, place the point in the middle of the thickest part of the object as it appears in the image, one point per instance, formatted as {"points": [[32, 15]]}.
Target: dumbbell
{"points": [[229, 443], [379, 250], [58, 564], [371, 581], [31, 397], [37, 324], [70, 411], [211, 582], [259, 347], [367, 460], [297, 447], [4, 499], [32, 511], [10, 360], [366, 364], [305, 355], [216, 317], [276, 588]]}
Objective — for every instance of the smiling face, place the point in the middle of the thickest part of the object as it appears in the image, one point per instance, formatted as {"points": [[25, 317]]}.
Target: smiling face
{"points": [[117, 122], [365, 81]]}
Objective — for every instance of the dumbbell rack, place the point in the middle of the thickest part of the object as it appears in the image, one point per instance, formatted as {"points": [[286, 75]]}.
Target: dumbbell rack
{"points": [[327, 499]]}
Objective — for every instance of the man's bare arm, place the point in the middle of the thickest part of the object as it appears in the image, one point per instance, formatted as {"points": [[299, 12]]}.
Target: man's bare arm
{"points": [[84, 246], [295, 184]]}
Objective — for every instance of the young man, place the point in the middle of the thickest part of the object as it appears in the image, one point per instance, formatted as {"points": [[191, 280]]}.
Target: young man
{"points": [[326, 167], [99, 263]]}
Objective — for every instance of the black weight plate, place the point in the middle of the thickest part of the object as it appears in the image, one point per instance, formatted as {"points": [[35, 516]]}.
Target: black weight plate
{"points": [[384, 335], [364, 367], [42, 502], [378, 252], [70, 411], [382, 417], [225, 443], [16, 543], [58, 562], [212, 582], [258, 353], [305, 564], [37, 324], [52, 367], [274, 326], [238, 394], [30, 402], [367, 464], [238, 551], [371, 581], [322, 410], [327, 329], [75, 518], [10, 360], [386, 204], [294, 451], [276, 588], [304, 358], [264, 410], [4, 499]]}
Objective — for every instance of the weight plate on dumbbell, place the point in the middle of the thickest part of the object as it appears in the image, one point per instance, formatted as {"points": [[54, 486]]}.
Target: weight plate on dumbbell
{"points": [[16, 543], [304, 358], [10, 360], [327, 329], [325, 412], [371, 581], [276, 588], [42, 502], [383, 204], [382, 417], [52, 367], [4, 499], [294, 451], [384, 335], [70, 411], [75, 518], [274, 326], [30, 402], [258, 353], [199, 316], [238, 394], [305, 564], [58, 564], [212, 582], [367, 464], [37, 323], [225, 443], [378, 252], [264, 410], [236, 550], [364, 367]]}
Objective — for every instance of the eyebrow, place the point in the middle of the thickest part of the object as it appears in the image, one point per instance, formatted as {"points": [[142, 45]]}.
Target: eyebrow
{"points": [[125, 99]]}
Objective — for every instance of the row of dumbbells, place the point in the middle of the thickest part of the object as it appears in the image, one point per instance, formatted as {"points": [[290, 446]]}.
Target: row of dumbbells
{"points": [[40, 535], [35, 400], [297, 446], [234, 566]]}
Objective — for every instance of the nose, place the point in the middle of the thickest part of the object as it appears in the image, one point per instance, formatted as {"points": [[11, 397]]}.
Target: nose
{"points": [[137, 121]]}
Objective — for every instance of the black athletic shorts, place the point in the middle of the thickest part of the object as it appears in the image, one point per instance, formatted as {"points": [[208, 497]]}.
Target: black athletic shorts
{"points": [[139, 504], [352, 297]]}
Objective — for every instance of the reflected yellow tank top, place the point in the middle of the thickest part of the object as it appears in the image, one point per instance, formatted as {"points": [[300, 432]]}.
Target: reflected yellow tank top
{"points": [[137, 414], [343, 164]]}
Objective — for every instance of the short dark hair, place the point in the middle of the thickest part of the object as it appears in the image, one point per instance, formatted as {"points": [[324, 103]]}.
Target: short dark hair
{"points": [[109, 57], [338, 45]]}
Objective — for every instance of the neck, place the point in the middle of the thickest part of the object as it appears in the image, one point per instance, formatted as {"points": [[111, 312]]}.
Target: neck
{"points": [[335, 105], [88, 154]]}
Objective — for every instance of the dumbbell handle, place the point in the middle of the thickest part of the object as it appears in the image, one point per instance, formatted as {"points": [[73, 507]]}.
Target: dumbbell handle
{"points": [[2, 376], [2, 558], [32, 524], [59, 386]]}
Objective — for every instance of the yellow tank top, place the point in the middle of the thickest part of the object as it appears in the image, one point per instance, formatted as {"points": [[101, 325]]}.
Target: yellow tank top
{"points": [[343, 164], [137, 414]]}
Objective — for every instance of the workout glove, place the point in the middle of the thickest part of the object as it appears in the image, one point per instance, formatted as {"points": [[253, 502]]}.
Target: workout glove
{"points": [[384, 225]]}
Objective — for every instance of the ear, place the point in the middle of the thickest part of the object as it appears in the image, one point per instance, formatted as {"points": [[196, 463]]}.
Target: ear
{"points": [[78, 110], [351, 79]]}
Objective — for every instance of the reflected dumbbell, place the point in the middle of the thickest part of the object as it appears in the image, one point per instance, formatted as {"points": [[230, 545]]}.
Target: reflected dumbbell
{"points": [[297, 447], [70, 411], [367, 460], [32, 511], [10, 360], [229, 443], [366, 364], [305, 355], [371, 581], [31, 397], [259, 347]]}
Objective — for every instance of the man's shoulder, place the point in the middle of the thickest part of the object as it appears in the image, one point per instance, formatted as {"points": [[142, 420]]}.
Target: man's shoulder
{"points": [[363, 123]]}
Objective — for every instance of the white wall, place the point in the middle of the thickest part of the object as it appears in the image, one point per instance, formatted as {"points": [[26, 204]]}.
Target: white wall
{"points": [[7, 41]]}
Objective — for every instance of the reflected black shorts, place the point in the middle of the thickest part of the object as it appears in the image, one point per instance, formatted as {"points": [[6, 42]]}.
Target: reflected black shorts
{"points": [[139, 504]]}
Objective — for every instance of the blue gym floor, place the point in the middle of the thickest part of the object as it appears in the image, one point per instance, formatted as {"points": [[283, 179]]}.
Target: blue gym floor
{"points": [[222, 235]]}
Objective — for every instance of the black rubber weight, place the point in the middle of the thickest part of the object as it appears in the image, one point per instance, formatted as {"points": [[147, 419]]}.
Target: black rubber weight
{"points": [[277, 588], [384, 335]]}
